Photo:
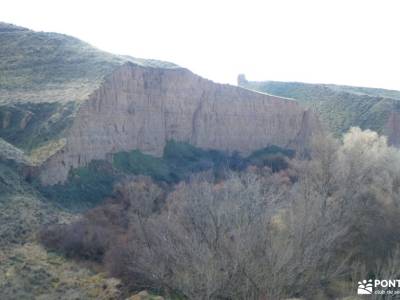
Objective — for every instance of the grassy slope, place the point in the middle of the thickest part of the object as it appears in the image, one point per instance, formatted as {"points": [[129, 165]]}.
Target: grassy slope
{"points": [[43, 78], [30, 272], [9, 152], [29, 126], [53, 67], [340, 107], [27, 270]]}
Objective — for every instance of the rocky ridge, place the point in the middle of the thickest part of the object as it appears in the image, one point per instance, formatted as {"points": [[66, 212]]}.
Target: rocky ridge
{"points": [[65, 103], [142, 108], [341, 107]]}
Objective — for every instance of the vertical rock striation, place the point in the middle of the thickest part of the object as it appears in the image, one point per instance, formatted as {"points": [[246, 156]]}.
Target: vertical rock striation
{"points": [[142, 108], [392, 129]]}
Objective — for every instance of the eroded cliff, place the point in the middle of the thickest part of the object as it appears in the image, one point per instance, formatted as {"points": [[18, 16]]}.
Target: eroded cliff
{"points": [[392, 129], [340, 107], [142, 108]]}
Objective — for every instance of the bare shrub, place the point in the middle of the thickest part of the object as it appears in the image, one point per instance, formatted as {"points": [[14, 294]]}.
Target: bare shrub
{"points": [[255, 234], [102, 227]]}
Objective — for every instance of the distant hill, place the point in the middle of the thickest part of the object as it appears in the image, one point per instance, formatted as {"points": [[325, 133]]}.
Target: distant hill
{"points": [[340, 107]]}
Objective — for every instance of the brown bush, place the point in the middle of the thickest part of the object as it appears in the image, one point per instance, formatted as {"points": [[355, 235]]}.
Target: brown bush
{"points": [[256, 234]]}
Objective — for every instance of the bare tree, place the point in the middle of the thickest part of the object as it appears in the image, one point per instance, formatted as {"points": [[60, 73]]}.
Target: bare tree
{"points": [[256, 234]]}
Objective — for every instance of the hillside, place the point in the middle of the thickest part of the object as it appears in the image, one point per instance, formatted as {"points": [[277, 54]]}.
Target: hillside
{"points": [[84, 121], [88, 120], [144, 108], [27, 270], [125, 178], [44, 77], [65, 103], [340, 107], [53, 67]]}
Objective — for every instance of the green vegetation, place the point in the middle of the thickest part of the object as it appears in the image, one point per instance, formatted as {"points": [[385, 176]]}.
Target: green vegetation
{"points": [[29, 126], [49, 67], [180, 160], [10, 153], [135, 162], [10, 181], [43, 79], [184, 159], [366, 91], [86, 186], [27, 270], [340, 107], [311, 232], [22, 209], [52, 67], [30, 272], [273, 157]]}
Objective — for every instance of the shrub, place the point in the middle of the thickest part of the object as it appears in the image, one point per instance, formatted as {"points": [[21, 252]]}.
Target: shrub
{"points": [[85, 187], [254, 235]]}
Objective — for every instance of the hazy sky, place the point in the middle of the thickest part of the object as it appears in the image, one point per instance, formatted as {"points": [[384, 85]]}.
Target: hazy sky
{"points": [[355, 42]]}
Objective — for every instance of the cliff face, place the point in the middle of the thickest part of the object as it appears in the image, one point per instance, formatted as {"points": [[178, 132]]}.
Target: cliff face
{"points": [[339, 107], [392, 129], [142, 108]]}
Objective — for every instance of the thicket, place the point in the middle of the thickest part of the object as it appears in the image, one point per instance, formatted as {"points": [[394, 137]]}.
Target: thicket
{"points": [[85, 188], [312, 230], [90, 185], [180, 160]]}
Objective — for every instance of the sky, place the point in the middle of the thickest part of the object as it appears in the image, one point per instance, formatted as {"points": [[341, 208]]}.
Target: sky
{"points": [[352, 42]]}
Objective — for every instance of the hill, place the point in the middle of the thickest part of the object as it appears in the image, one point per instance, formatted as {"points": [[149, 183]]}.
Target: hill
{"points": [[53, 67], [27, 270], [143, 171], [66, 103], [340, 107], [74, 114], [44, 77]]}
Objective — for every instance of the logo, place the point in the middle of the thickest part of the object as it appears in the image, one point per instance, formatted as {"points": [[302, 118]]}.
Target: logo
{"points": [[365, 287], [379, 287]]}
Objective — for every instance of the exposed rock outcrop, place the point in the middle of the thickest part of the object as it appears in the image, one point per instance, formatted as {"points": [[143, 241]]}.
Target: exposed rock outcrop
{"points": [[338, 107], [142, 108], [392, 129]]}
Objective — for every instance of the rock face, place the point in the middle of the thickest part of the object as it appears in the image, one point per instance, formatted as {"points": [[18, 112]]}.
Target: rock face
{"points": [[392, 129], [339, 107], [142, 108]]}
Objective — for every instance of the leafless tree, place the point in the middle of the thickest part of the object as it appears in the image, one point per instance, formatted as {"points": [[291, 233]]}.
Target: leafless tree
{"points": [[257, 234]]}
